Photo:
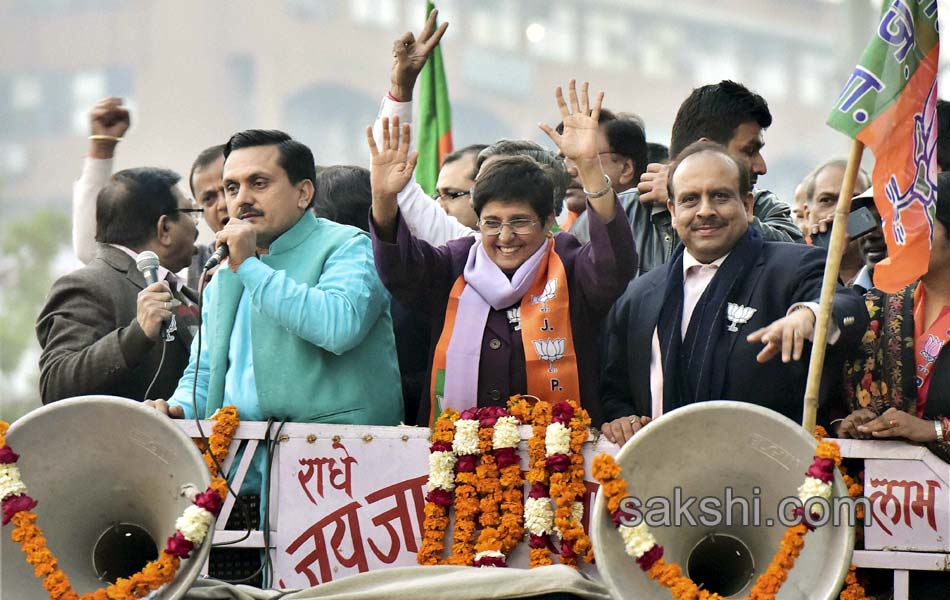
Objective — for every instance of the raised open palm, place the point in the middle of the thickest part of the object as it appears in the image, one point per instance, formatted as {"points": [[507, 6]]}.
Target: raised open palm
{"points": [[578, 140], [391, 165]]}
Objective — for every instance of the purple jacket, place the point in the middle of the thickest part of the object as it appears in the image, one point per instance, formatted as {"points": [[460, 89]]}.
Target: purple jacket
{"points": [[421, 276]]}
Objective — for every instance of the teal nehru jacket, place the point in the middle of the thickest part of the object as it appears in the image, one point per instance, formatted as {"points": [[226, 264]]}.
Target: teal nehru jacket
{"points": [[302, 333]]}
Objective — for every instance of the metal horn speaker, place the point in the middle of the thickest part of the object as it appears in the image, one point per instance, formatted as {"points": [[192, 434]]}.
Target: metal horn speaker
{"points": [[107, 474], [701, 450]]}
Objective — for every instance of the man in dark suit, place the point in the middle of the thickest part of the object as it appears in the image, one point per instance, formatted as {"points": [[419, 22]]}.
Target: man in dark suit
{"points": [[693, 330], [103, 330]]}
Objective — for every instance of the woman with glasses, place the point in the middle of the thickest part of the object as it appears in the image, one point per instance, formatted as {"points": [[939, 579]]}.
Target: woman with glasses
{"points": [[515, 309]]}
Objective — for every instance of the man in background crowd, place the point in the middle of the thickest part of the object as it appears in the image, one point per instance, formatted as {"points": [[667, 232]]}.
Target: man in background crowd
{"points": [[623, 149], [109, 120], [821, 201], [101, 328], [455, 182]]}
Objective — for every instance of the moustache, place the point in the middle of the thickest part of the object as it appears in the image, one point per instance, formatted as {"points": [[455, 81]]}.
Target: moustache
{"points": [[243, 214], [715, 222]]}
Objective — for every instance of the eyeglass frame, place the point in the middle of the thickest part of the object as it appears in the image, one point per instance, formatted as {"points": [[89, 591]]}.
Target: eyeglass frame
{"points": [[194, 213], [451, 195], [528, 223]]}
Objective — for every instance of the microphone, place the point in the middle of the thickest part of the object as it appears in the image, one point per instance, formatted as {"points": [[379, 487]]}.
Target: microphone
{"points": [[220, 254], [147, 264]]}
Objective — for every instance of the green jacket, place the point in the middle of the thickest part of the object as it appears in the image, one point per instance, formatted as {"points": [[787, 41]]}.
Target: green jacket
{"points": [[353, 376]]}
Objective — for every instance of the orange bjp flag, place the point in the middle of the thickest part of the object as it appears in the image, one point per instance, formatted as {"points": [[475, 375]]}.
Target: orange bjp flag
{"points": [[889, 103]]}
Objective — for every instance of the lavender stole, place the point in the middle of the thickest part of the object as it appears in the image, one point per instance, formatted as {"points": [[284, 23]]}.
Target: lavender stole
{"points": [[486, 288]]}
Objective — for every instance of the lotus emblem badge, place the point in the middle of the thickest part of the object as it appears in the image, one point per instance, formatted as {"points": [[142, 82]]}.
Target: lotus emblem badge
{"points": [[548, 293], [738, 315], [551, 349]]}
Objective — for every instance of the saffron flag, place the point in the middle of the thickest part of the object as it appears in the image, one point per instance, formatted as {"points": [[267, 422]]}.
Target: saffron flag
{"points": [[435, 118], [889, 103]]}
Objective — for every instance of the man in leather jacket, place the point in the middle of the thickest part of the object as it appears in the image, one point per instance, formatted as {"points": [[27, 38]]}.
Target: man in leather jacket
{"points": [[728, 113]]}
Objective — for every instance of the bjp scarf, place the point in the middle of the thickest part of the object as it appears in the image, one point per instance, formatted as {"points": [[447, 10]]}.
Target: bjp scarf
{"points": [[928, 342], [540, 285]]}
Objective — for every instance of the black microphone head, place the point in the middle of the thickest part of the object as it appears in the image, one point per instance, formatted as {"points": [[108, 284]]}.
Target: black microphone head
{"points": [[147, 264], [219, 255]]}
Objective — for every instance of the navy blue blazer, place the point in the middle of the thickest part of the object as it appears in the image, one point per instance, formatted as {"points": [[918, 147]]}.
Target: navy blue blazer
{"points": [[784, 274]]}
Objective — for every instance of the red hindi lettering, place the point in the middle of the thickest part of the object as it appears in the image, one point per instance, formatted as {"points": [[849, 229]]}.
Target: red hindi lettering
{"points": [[305, 477], [339, 477], [401, 512], [921, 504], [924, 502], [347, 461], [345, 521]]}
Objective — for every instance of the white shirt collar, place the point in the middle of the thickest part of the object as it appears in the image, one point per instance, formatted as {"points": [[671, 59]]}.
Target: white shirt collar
{"points": [[690, 261]]}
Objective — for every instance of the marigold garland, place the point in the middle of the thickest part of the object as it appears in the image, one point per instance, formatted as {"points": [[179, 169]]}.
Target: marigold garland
{"points": [[465, 445], [436, 521], [488, 547], [649, 555], [538, 479], [505, 442], [488, 488], [567, 483], [191, 527], [853, 590], [226, 421]]}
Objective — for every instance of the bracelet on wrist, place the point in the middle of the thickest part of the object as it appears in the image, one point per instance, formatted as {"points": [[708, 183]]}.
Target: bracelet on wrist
{"points": [[105, 138], [600, 193]]}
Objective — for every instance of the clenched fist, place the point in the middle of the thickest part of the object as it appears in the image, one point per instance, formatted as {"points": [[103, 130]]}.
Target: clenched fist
{"points": [[107, 118]]}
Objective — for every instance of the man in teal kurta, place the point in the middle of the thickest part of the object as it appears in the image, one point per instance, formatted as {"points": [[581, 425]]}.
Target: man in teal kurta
{"points": [[296, 323]]}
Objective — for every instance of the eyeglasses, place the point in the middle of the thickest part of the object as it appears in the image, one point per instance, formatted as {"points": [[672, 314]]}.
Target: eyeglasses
{"points": [[194, 213], [518, 226], [449, 196]]}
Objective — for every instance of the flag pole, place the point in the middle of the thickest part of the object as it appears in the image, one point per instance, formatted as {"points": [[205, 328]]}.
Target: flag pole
{"points": [[839, 241]]}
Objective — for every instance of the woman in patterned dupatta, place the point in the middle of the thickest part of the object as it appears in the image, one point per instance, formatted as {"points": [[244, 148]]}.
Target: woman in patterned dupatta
{"points": [[898, 385], [515, 309]]}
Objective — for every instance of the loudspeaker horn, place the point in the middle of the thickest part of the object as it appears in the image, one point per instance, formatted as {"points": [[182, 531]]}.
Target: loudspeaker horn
{"points": [[108, 475], [702, 449]]}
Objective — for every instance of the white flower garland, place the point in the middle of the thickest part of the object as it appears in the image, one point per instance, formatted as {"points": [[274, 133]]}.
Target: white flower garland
{"points": [[506, 433], [637, 540], [194, 523], [466, 437], [814, 488], [442, 470], [10, 482], [489, 554], [538, 516], [557, 439]]}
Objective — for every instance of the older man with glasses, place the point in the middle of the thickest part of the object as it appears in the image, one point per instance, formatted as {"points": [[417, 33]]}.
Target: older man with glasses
{"points": [[104, 329]]}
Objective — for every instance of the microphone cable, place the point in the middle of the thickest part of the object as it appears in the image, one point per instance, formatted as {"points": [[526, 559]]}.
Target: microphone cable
{"points": [[245, 512], [158, 371]]}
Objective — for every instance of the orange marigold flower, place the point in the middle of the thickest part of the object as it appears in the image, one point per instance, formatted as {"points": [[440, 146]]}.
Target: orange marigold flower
{"points": [[829, 449]]}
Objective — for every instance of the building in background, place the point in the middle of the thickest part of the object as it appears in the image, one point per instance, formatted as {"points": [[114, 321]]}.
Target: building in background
{"points": [[194, 72]]}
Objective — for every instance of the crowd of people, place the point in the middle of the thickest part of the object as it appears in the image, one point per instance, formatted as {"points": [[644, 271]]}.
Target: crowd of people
{"points": [[635, 278]]}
